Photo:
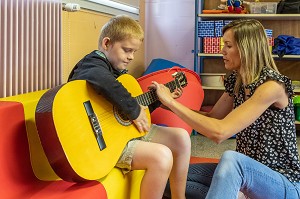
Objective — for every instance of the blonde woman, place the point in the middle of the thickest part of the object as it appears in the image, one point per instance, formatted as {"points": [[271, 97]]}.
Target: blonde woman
{"points": [[257, 106]]}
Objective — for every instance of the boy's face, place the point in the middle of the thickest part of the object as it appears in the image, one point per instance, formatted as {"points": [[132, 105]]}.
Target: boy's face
{"points": [[121, 53]]}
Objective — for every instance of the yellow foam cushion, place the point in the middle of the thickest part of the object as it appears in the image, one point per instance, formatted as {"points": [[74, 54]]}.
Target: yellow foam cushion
{"points": [[116, 184], [119, 186]]}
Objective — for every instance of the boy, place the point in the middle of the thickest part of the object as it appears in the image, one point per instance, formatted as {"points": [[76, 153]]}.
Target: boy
{"points": [[164, 152]]}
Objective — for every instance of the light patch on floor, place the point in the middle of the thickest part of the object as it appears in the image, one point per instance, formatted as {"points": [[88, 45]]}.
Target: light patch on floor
{"points": [[204, 147]]}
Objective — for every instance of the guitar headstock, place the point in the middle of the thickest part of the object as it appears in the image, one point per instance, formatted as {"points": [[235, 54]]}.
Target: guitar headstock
{"points": [[180, 79]]}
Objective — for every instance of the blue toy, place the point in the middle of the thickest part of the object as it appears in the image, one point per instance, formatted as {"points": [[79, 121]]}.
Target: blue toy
{"points": [[235, 6]]}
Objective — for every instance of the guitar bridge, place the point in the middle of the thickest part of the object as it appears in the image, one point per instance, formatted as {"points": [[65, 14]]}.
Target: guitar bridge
{"points": [[95, 124]]}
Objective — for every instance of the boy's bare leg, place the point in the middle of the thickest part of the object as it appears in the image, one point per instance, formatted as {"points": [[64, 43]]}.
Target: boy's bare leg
{"points": [[179, 142], [156, 160]]}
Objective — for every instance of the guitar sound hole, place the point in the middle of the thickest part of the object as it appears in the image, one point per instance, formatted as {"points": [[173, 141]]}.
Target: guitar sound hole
{"points": [[121, 117]]}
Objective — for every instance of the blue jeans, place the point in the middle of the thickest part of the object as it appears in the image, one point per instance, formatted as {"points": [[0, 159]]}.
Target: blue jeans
{"points": [[238, 172]]}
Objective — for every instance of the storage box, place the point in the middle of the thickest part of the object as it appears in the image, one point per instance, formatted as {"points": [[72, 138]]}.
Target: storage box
{"points": [[296, 101], [271, 41], [297, 112], [211, 41], [211, 28], [269, 32], [218, 28], [211, 49], [211, 45], [263, 7], [212, 79], [206, 29]]}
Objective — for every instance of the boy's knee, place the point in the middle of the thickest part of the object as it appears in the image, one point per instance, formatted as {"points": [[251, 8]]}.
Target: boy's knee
{"points": [[164, 158], [167, 162], [183, 139]]}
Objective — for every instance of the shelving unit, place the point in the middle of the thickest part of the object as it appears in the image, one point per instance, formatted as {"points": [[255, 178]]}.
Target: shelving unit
{"points": [[276, 17], [266, 19], [288, 24]]}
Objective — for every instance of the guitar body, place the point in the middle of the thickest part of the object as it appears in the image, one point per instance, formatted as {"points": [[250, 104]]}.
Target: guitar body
{"points": [[67, 135]]}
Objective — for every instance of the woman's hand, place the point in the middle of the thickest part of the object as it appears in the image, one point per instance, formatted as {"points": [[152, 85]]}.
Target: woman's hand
{"points": [[177, 93], [164, 94]]}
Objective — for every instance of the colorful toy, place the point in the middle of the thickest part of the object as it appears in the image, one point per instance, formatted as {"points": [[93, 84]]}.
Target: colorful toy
{"points": [[235, 6], [222, 5]]}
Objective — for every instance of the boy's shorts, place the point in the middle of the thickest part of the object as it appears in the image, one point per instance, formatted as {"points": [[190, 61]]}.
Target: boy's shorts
{"points": [[125, 160]]}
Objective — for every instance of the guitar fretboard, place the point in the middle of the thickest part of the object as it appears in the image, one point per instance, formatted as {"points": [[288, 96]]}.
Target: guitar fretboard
{"points": [[151, 96]]}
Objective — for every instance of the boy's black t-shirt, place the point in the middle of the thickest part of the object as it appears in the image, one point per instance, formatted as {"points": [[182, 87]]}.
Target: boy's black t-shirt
{"points": [[97, 70]]}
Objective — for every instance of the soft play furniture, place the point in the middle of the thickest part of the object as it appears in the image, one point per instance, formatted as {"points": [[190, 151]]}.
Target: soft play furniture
{"points": [[160, 64], [25, 171], [115, 183], [192, 96], [195, 160], [17, 179]]}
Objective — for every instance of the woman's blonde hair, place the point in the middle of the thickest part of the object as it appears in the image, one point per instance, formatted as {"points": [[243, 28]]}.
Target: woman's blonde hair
{"points": [[254, 49], [121, 27]]}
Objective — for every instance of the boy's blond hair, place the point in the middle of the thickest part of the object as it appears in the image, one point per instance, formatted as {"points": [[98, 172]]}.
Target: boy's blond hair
{"points": [[121, 27]]}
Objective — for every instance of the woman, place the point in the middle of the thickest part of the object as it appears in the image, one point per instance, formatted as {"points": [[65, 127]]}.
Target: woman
{"points": [[257, 106]]}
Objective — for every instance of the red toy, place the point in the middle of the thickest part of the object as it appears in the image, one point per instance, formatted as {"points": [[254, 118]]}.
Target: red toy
{"points": [[235, 6]]}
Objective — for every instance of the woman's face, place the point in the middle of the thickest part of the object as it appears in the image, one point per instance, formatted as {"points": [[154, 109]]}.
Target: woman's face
{"points": [[230, 51]]}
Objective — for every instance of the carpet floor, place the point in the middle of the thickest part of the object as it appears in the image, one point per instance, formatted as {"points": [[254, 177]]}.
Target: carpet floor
{"points": [[204, 147]]}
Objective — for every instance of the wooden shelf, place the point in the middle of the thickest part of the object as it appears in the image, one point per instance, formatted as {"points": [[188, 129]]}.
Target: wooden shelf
{"points": [[297, 122], [275, 56], [213, 87], [272, 17]]}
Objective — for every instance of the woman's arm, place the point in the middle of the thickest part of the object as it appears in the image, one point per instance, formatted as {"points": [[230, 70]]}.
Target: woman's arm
{"points": [[223, 106], [222, 127]]}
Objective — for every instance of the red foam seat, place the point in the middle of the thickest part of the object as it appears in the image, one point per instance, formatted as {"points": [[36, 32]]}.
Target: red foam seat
{"points": [[17, 179], [194, 160], [192, 96]]}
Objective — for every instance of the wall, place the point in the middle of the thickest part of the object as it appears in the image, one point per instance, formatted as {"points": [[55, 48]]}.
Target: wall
{"points": [[169, 27], [134, 3], [80, 36]]}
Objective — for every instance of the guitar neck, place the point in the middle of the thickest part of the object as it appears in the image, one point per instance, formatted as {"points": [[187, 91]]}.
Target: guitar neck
{"points": [[150, 97]]}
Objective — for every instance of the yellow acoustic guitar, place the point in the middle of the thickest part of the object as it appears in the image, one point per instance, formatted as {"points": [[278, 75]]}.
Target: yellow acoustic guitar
{"points": [[81, 132]]}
